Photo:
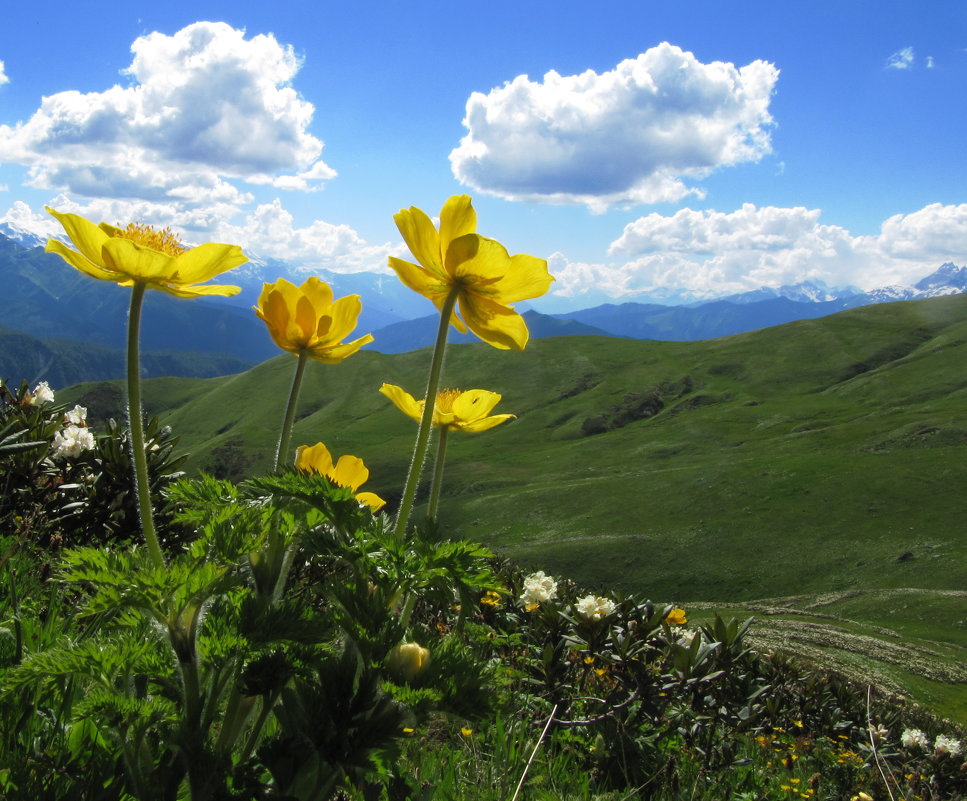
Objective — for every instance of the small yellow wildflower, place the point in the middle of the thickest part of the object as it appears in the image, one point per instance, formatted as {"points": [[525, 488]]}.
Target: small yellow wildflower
{"points": [[491, 598], [677, 617], [349, 471], [466, 732], [454, 410]]}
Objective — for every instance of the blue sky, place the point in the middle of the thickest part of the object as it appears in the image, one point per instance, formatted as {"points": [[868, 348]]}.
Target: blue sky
{"points": [[642, 147]]}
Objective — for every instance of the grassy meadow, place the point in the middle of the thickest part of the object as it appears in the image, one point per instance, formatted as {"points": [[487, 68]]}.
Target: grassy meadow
{"points": [[810, 474]]}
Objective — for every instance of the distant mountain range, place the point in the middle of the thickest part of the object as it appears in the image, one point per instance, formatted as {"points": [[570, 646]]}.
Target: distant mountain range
{"points": [[44, 299]]}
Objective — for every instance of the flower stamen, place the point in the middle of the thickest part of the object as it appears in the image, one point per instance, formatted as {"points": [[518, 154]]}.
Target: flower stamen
{"points": [[163, 241]]}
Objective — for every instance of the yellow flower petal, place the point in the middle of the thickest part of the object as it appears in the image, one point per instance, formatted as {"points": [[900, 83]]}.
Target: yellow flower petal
{"points": [[403, 401], [421, 238], [87, 237], [318, 291], [204, 262], [79, 261], [305, 321], [419, 279], [349, 472], [371, 499], [343, 315], [199, 291], [457, 217], [476, 426], [314, 459], [273, 311], [333, 354], [525, 278], [480, 264], [475, 404], [493, 322], [132, 260]]}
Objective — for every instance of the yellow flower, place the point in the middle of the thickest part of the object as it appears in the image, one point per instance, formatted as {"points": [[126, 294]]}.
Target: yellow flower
{"points": [[491, 598], [349, 471], [677, 617], [486, 278], [307, 319], [407, 660], [458, 411], [466, 732], [140, 254]]}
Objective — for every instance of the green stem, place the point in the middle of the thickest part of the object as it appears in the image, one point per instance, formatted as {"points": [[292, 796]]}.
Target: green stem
{"points": [[236, 714], [267, 703], [287, 423], [136, 426], [426, 422], [441, 454]]}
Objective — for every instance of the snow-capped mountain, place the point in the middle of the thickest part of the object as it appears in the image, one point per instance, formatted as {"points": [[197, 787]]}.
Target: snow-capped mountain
{"points": [[21, 236], [948, 280], [815, 291]]}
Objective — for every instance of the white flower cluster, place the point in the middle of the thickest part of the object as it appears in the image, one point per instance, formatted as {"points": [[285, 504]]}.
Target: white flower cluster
{"points": [[75, 438], [594, 607], [76, 416], [538, 588], [40, 394], [914, 738], [946, 745]]}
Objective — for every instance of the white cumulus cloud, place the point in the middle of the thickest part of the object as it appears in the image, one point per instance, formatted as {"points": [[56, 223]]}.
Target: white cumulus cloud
{"points": [[270, 230], [4, 78], [934, 233], [901, 59], [203, 107], [710, 253], [631, 135]]}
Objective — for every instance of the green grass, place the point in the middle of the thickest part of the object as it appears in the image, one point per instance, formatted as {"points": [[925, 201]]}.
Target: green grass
{"points": [[823, 456]]}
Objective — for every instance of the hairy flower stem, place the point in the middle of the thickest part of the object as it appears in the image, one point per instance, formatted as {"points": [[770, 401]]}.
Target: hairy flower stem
{"points": [[426, 422], [136, 426], [441, 455], [289, 420]]}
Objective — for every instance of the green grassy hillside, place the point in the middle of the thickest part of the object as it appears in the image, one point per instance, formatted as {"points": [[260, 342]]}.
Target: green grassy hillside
{"points": [[842, 438], [822, 456]]}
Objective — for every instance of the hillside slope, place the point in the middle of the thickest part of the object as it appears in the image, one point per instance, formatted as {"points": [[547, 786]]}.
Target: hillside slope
{"points": [[817, 456]]}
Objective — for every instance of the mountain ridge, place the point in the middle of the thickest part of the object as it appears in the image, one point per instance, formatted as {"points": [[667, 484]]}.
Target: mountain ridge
{"points": [[47, 299]]}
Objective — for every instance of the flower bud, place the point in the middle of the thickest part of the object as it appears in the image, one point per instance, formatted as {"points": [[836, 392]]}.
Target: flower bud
{"points": [[407, 660]]}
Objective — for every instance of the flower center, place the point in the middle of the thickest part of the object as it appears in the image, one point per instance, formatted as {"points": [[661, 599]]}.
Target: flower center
{"points": [[163, 241], [445, 399]]}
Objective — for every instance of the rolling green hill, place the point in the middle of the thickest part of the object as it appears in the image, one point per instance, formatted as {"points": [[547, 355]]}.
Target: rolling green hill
{"points": [[847, 433], [61, 361], [822, 458]]}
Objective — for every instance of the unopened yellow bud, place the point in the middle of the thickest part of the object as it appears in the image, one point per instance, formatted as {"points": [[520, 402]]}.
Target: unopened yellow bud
{"points": [[407, 660]]}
